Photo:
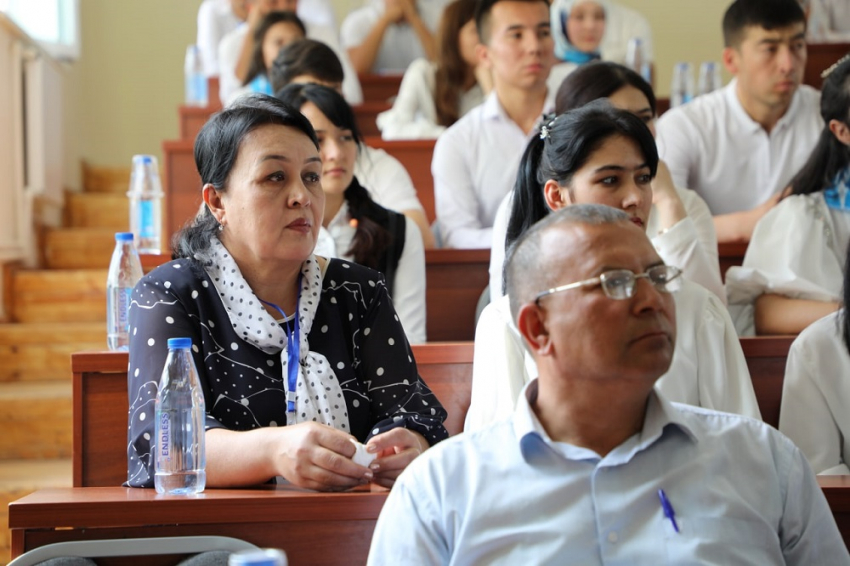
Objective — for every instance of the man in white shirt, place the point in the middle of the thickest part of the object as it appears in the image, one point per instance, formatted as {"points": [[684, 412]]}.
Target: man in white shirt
{"points": [[595, 466], [234, 51], [740, 146], [475, 161], [217, 18], [385, 36]]}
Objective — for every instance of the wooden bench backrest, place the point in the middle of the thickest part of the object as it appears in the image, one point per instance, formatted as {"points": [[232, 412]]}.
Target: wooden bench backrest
{"points": [[766, 357], [101, 404]]}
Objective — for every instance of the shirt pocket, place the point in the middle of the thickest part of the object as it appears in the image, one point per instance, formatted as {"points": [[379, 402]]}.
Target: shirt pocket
{"points": [[722, 540]]}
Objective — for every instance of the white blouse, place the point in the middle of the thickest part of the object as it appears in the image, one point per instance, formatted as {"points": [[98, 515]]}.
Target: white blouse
{"points": [[815, 410], [409, 286], [798, 250], [708, 368], [690, 244], [414, 113]]}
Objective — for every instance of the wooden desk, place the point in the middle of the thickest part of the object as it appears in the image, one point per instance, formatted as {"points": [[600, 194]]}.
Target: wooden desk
{"points": [[837, 492], [193, 118], [416, 157], [366, 114], [380, 88], [821, 56], [730, 255], [766, 357], [454, 281], [313, 528], [181, 184]]}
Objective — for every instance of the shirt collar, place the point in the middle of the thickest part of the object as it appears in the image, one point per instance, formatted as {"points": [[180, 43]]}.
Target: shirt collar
{"points": [[493, 109], [731, 94], [537, 447]]}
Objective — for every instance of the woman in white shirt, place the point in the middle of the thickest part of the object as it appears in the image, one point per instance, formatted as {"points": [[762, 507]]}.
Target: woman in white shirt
{"points": [[359, 229], [795, 261], [433, 96], [679, 224], [602, 155]]}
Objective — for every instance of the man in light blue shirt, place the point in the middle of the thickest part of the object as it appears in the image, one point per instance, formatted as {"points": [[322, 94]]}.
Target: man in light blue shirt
{"points": [[595, 467]]}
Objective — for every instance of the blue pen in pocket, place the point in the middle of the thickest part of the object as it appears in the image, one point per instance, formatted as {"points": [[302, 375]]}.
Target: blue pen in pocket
{"points": [[668, 509]]}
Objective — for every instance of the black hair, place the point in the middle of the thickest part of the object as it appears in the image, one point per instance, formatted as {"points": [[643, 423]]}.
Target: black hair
{"points": [[482, 16], [258, 65], [829, 156], [305, 57], [843, 319], [371, 239], [570, 139], [766, 14], [599, 79], [216, 149]]}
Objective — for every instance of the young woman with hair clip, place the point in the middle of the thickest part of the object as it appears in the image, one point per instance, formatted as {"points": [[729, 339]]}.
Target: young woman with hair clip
{"points": [[275, 31], [433, 96], [679, 223], [816, 390], [598, 154], [357, 228], [795, 261]]}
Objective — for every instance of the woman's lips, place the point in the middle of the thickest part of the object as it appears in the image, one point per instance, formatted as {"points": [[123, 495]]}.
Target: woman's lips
{"points": [[637, 221], [301, 225], [336, 172]]}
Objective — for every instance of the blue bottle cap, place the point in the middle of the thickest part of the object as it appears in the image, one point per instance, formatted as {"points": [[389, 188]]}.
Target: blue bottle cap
{"points": [[179, 343], [123, 236], [142, 159]]}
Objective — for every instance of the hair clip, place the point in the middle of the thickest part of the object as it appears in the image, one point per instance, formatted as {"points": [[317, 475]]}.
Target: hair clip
{"points": [[834, 66], [548, 120]]}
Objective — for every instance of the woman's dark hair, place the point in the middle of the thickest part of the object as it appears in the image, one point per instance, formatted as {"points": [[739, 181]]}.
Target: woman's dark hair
{"points": [[843, 319], [452, 70], [830, 155], [563, 148], [216, 149], [258, 65], [305, 57], [371, 239], [599, 79]]}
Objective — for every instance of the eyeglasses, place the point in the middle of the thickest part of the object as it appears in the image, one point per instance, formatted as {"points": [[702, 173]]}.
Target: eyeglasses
{"points": [[620, 284]]}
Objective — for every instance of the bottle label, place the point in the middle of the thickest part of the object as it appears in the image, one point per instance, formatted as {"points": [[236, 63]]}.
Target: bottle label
{"points": [[164, 437], [147, 219], [119, 299]]}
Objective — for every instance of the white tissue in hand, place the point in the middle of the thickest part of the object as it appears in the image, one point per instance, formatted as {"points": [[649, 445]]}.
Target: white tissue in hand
{"points": [[362, 457]]}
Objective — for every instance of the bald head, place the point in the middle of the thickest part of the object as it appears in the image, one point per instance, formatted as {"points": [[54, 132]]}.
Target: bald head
{"points": [[526, 269]]}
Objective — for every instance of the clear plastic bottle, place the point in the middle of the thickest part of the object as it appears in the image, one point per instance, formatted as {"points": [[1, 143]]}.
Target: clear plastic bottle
{"points": [[146, 204], [682, 86], [180, 459], [125, 270], [709, 77], [636, 59], [196, 80]]}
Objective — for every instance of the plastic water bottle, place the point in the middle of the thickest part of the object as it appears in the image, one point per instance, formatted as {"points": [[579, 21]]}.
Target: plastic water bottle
{"points": [[146, 204], [196, 80], [265, 557], [636, 59], [682, 86], [709, 77], [180, 459], [125, 270]]}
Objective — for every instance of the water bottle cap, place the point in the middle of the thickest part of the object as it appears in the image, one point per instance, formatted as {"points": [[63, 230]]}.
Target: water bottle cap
{"points": [[179, 343], [123, 236], [266, 557], [143, 159]]}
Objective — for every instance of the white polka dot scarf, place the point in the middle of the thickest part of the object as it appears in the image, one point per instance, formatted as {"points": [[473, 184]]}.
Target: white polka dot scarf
{"points": [[316, 383]]}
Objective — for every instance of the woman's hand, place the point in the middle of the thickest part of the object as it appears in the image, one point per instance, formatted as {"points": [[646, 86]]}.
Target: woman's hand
{"points": [[396, 449], [317, 456]]}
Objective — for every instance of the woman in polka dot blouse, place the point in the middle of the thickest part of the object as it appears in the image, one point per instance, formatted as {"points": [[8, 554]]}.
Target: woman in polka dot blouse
{"points": [[297, 354]]}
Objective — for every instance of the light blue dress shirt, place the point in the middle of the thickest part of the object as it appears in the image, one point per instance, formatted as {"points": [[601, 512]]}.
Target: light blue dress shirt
{"points": [[742, 493]]}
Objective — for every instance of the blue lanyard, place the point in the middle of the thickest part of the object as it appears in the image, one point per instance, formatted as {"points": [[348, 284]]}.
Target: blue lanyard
{"points": [[836, 196], [293, 351]]}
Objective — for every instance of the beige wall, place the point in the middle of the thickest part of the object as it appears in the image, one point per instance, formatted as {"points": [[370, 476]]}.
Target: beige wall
{"points": [[121, 97]]}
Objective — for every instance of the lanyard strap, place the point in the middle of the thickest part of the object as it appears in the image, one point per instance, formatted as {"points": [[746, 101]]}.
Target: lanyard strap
{"points": [[293, 351]]}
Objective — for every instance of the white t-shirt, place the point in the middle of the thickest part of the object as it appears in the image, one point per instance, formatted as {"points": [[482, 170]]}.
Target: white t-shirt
{"points": [[414, 113], [215, 20], [712, 146], [386, 179], [690, 244], [231, 45], [815, 410], [409, 286], [400, 45], [708, 368], [474, 166], [798, 250]]}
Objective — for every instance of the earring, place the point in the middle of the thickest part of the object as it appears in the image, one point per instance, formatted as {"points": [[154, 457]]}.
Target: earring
{"points": [[221, 227]]}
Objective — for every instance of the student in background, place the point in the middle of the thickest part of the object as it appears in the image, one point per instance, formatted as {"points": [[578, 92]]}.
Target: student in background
{"points": [[362, 231], [829, 21], [816, 391], [578, 27], [738, 147], [679, 224], [794, 266], [235, 50], [217, 18], [385, 36], [434, 95], [387, 180]]}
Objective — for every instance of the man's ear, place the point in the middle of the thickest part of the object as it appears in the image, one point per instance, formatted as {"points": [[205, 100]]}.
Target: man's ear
{"points": [[483, 55], [840, 130], [557, 197], [532, 327], [213, 200], [731, 60]]}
